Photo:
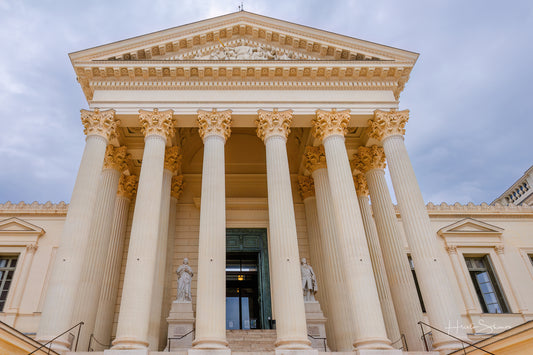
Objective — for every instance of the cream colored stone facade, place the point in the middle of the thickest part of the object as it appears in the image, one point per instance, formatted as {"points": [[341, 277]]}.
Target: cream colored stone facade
{"points": [[218, 125]]}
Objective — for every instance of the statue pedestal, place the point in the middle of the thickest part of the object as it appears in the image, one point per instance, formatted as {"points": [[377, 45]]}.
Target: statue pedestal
{"points": [[316, 325], [180, 322]]}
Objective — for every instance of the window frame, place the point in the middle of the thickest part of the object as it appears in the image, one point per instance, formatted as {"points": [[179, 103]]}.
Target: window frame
{"points": [[495, 284]]}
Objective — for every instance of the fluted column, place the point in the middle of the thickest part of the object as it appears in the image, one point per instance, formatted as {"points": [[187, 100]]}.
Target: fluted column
{"points": [[389, 128], [172, 162], [134, 316], [214, 129], [176, 189], [371, 162], [360, 286], [333, 281], [94, 262], [380, 274], [306, 187], [62, 289], [273, 129], [127, 188]]}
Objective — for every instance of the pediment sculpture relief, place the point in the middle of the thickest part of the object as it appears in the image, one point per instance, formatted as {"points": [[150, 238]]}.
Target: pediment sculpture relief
{"points": [[245, 52]]}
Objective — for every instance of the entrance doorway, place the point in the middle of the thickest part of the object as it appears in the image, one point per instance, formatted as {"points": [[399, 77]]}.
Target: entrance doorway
{"points": [[248, 303]]}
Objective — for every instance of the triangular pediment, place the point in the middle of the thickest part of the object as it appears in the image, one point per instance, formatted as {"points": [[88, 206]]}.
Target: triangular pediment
{"points": [[470, 226], [16, 225], [271, 38]]}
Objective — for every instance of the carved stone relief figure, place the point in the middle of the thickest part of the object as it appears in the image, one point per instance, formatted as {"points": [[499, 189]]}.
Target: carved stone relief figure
{"points": [[185, 275], [309, 285]]}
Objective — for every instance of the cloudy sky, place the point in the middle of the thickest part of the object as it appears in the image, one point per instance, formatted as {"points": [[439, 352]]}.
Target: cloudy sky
{"points": [[469, 136]]}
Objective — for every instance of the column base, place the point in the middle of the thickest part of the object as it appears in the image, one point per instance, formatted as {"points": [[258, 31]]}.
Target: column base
{"points": [[60, 345], [379, 352], [296, 351], [209, 352], [293, 344], [126, 343], [210, 344], [373, 344], [126, 352]]}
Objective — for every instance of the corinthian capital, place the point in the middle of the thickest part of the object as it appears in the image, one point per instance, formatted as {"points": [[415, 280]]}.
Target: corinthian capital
{"points": [[127, 186], [115, 158], [327, 123], [100, 123], [176, 188], [315, 158], [387, 123], [157, 122], [172, 159], [214, 123], [369, 158], [361, 186], [306, 186], [275, 123]]}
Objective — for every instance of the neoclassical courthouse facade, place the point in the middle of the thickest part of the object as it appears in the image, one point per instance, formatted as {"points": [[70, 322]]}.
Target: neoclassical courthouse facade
{"points": [[244, 144]]}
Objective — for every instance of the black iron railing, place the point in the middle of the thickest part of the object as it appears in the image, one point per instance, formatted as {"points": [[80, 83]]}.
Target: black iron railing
{"points": [[93, 338], [319, 338], [177, 338], [403, 342], [428, 348], [79, 325]]}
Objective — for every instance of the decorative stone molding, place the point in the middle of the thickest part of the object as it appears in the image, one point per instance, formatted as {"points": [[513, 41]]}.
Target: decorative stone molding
{"points": [[275, 123], [327, 123], [34, 208], [369, 158], [361, 186], [387, 123], [451, 249], [31, 248], [214, 123], [176, 187], [157, 122], [306, 186], [115, 158], [500, 249], [172, 159], [127, 186], [100, 123], [315, 158], [242, 51]]}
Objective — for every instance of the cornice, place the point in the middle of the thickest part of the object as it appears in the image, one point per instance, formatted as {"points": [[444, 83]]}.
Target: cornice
{"points": [[461, 210], [9, 208]]}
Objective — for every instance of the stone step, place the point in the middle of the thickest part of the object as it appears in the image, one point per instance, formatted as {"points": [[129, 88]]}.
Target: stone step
{"points": [[255, 341]]}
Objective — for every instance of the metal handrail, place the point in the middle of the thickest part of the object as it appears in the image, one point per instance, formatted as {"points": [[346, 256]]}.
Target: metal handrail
{"points": [[178, 338], [26, 337], [404, 343], [65, 332], [440, 331], [320, 338], [96, 340]]}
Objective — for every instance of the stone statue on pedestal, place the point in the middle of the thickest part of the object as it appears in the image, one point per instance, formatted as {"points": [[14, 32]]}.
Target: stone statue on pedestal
{"points": [[185, 275], [309, 285]]}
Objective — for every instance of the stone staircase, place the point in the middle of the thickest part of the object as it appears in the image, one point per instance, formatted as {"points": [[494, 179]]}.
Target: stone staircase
{"points": [[251, 341]]}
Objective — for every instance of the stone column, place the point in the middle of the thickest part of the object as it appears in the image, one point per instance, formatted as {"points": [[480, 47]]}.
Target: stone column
{"points": [[172, 162], [360, 286], [371, 162], [333, 280], [380, 274], [176, 189], [135, 307], [127, 188], [389, 128], [62, 289], [214, 129], [289, 311], [94, 262]]}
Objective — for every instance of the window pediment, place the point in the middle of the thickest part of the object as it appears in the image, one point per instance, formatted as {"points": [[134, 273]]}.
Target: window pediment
{"points": [[15, 231], [471, 231]]}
